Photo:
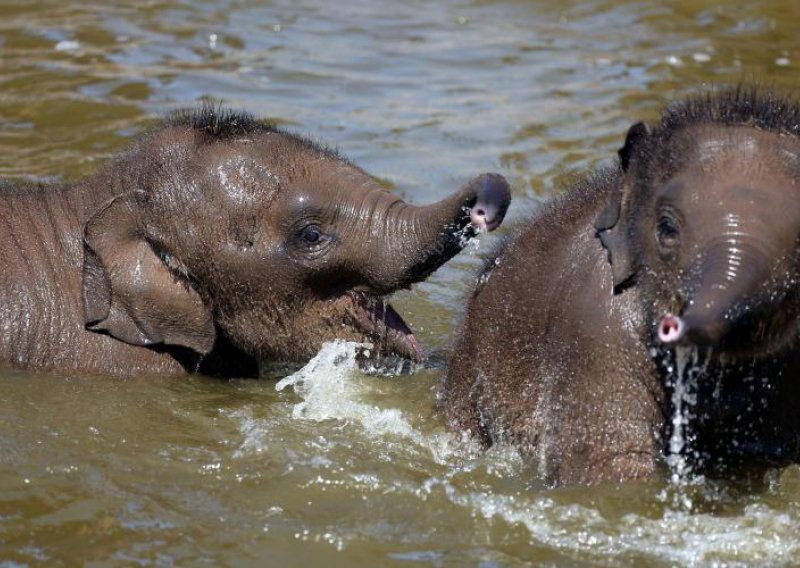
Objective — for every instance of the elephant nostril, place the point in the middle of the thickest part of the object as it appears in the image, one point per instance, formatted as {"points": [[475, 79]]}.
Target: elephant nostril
{"points": [[485, 219], [492, 197], [670, 329]]}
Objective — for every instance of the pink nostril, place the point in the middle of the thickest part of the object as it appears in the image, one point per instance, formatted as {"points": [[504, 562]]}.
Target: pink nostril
{"points": [[670, 329], [478, 218]]}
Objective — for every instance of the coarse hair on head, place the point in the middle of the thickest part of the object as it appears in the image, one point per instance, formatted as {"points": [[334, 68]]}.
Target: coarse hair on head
{"points": [[218, 124], [654, 147], [740, 105], [216, 121]]}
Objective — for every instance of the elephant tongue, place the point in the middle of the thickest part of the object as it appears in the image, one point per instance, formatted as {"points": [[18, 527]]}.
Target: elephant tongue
{"points": [[398, 334]]}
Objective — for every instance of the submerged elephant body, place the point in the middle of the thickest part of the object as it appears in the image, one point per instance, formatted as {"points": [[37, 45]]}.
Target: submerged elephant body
{"points": [[686, 250], [215, 243]]}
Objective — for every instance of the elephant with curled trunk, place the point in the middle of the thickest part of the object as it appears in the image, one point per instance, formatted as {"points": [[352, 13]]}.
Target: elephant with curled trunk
{"points": [[215, 243], [659, 291]]}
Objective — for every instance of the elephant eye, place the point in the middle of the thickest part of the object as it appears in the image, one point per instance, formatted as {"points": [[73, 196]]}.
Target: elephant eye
{"points": [[311, 234], [310, 240], [667, 233]]}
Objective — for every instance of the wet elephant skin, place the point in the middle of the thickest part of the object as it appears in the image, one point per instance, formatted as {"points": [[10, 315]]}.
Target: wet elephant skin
{"points": [[214, 243], [687, 247]]}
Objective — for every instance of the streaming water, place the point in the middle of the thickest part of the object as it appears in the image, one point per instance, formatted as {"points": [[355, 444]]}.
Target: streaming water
{"points": [[340, 467], [688, 368]]}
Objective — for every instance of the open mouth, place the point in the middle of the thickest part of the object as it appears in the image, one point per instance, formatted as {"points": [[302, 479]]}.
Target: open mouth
{"points": [[384, 327]]}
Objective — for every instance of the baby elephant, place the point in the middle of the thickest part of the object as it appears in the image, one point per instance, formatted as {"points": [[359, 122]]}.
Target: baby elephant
{"points": [[215, 243], [666, 283]]}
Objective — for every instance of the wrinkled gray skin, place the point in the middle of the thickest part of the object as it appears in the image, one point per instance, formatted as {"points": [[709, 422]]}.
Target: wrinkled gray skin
{"points": [[689, 245], [216, 243]]}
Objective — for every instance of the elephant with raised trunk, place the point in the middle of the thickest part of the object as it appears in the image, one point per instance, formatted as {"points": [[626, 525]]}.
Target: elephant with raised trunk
{"points": [[215, 243], [667, 282]]}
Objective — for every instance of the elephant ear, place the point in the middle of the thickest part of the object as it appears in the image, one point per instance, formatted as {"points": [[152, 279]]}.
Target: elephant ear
{"points": [[610, 224], [128, 289]]}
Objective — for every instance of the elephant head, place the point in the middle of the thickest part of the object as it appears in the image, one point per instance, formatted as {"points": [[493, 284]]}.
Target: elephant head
{"points": [[705, 220], [225, 226]]}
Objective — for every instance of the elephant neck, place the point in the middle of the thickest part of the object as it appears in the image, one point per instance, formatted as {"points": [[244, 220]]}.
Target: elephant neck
{"points": [[40, 271], [41, 309]]}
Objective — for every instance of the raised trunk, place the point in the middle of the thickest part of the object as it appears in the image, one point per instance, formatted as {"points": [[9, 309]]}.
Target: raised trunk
{"points": [[411, 242]]}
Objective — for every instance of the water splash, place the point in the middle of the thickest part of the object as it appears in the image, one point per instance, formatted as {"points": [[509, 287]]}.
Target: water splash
{"points": [[683, 401], [684, 373], [324, 378], [330, 390], [435, 469], [677, 538], [468, 238], [388, 366]]}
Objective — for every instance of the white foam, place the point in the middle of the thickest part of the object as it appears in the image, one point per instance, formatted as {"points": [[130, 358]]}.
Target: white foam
{"points": [[678, 537], [330, 390], [253, 431]]}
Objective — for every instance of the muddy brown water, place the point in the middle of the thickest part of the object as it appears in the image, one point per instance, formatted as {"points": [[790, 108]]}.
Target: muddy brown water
{"points": [[344, 469]]}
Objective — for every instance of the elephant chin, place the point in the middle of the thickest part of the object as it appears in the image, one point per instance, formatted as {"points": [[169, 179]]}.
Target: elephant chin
{"points": [[383, 326]]}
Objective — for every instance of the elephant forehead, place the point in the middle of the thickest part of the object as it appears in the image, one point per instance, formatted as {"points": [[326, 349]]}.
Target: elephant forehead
{"points": [[738, 149], [732, 167], [246, 181]]}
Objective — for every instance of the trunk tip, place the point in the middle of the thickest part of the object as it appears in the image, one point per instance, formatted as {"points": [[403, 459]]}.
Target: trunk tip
{"points": [[674, 330], [671, 329], [492, 198]]}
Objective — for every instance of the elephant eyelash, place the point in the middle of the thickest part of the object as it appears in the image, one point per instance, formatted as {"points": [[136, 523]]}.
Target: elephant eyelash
{"points": [[305, 249], [312, 235], [667, 230], [302, 237]]}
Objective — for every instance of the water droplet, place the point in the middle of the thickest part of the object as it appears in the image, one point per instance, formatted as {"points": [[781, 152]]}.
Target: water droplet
{"points": [[68, 45]]}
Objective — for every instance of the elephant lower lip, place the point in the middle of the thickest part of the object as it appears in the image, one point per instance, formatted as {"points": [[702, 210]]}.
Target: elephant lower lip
{"points": [[387, 328]]}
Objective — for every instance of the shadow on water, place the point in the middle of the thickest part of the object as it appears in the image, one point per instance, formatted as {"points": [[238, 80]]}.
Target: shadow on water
{"points": [[338, 467]]}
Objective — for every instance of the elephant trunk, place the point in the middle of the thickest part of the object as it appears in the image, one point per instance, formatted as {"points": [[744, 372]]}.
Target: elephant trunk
{"points": [[730, 276], [414, 241]]}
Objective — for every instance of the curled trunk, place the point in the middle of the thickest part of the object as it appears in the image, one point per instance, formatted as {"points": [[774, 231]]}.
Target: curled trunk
{"points": [[414, 241]]}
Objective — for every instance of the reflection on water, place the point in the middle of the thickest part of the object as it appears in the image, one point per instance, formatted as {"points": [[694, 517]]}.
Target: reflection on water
{"points": [[359, 469]]}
